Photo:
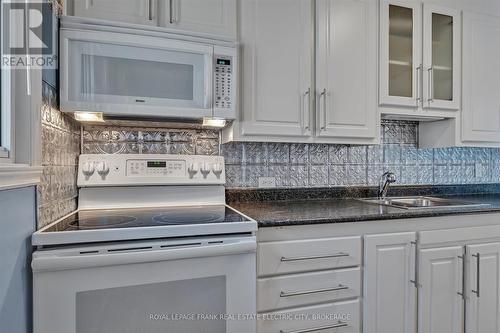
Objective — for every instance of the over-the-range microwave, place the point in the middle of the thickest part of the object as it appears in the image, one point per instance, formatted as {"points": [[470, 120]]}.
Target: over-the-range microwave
{"points": [[129, 72]]}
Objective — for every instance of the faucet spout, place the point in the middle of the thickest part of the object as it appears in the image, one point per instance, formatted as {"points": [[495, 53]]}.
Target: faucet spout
{"points": [[385, 180]]}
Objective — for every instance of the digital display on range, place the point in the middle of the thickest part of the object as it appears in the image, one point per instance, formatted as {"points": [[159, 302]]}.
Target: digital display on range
{"points": [[157, 164], [225, 62]]}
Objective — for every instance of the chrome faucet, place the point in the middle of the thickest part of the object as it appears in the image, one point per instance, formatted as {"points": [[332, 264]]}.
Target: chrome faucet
{"points": [[385, 180]]}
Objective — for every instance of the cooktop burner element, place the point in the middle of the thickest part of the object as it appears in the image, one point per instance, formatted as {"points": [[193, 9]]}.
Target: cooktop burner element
{"points": [[99, 222], [146, 217], [174, 217]]}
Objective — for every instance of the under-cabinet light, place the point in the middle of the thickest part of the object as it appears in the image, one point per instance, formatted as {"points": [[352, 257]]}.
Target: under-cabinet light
{"points": [[214, 122], [89, 116]]}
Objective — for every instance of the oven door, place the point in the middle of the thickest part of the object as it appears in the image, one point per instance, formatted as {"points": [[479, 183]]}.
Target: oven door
{"points": [[189, 286], [128, 75]]}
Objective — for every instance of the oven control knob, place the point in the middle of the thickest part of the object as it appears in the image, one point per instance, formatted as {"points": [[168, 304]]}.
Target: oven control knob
{"points": [[88, 168], [205, 169], [102, 168], [217, 169], [193, 168]]}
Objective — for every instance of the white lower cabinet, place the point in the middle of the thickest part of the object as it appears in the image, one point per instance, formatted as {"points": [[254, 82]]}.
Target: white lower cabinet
{"points": [[340, 317], [309, 288], [296, 256], [389, 283], [483, 288], [309, 285], [427, 281], [441, 306]]}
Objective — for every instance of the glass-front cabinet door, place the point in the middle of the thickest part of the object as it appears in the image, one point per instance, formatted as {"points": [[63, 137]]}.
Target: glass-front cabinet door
{"points": [[400, 53], [441, 50]]}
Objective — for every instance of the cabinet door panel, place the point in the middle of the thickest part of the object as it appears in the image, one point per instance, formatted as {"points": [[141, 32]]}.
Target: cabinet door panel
{"points": [[130, 11], [390, 296], [440, 307], [204, 16], [441, 69], [483, 310], [481, 78], [277, 67], [346, 68], [400, 52]]}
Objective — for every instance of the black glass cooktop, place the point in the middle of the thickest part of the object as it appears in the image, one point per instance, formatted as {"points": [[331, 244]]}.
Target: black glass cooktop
{"points": [[146, 217]]}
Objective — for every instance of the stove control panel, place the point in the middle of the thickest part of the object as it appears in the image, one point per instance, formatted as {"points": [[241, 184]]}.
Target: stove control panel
{"points": [[156, 168], [134, 169]]}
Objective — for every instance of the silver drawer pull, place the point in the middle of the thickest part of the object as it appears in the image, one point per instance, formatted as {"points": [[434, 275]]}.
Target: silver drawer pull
{"points": [[317, 329], [315, 291], [326, 256]]}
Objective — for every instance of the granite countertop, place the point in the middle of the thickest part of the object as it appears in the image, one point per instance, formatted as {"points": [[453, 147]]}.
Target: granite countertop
{"points": [[338, 210]]}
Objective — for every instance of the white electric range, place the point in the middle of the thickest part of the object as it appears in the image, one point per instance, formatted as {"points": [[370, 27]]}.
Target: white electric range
{"points": [[152, 248]]}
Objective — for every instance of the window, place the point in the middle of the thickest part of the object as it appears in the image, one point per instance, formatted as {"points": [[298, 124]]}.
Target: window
{"points": [[6, 123], [5, 116]]}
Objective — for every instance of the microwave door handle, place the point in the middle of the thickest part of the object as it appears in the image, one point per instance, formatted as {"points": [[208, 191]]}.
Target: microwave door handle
{"points": [[210, 89]]}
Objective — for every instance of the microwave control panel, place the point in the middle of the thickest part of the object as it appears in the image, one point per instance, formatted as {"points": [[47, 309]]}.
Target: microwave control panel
{"points": [[223, 82]]}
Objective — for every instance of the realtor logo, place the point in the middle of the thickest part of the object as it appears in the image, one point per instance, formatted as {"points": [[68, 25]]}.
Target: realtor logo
{"points": [[28, 35]]}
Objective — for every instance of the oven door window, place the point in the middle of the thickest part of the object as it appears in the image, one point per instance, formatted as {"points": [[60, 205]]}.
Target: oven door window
{"points": [[120, 74], [194, 305]]}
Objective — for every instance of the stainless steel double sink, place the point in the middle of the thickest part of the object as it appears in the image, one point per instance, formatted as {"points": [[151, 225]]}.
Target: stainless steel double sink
{"points": [[422, 202]]}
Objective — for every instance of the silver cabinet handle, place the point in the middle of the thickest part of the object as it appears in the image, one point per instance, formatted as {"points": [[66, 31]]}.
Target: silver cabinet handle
{"points": [[415, 276], [314, 291], [323, 95], [150, 10], [431, 84], [419, 97], [307, 110], [462, 292], [317, 329], [173, 8], [478, 266], [325, 256]]}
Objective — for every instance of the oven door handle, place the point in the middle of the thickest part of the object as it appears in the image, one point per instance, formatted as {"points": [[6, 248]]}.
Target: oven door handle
{"points": [[47, 262]]}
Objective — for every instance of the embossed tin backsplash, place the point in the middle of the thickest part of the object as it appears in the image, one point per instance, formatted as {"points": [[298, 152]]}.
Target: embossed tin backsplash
{"points": [[126, 140], [321, 165], [57, 192], [311, 165]]}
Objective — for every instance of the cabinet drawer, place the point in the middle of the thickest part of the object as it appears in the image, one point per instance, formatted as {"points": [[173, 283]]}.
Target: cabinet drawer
{"points": [[340, 317], [308, 288], [308, 255]]}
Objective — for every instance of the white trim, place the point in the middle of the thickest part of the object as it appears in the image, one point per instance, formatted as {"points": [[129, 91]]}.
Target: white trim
{"points": [[19, 175]]}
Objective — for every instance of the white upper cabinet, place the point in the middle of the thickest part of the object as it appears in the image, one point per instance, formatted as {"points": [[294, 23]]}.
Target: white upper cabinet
{"points": [[206, 17], [400, 52], [483, 289], [442, 61], [440, 305], [283, 98], [420, 59], [346, 72], [277, 80], [214, 17], [390, 293], [481, 78], [129, 11]]}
